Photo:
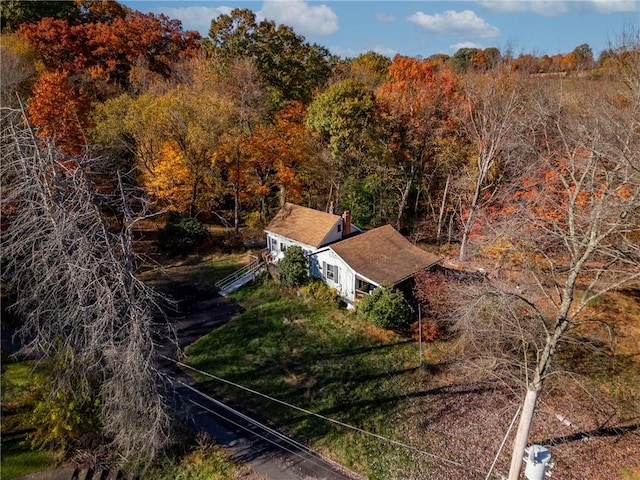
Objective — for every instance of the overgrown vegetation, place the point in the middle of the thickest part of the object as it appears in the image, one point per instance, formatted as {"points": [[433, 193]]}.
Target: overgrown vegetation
{"points": [[182, 234], [328, 360], [293, 269], [385, 308], [308, 352], [21, 388]]}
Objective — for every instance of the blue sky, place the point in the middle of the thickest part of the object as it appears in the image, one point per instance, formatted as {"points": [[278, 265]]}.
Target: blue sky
{"points": [[422, 28]]}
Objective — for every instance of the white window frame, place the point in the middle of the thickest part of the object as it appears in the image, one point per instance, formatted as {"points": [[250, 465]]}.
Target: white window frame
{"points": [[331, 272]]}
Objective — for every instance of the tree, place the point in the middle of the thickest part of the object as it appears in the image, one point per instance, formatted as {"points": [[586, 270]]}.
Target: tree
{"points": [[13, 13], [491, 120], [289, 66], [416, 105], [294, 267], [385, 308], [87, 312], [18, 69], [60, 110], [344, 115], [581, 216], [572, 228], [278, 158]]}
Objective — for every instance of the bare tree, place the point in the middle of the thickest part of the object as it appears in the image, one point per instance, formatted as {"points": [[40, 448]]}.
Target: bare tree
{"points": [[491, 120], [573, 226], [73, 279]]}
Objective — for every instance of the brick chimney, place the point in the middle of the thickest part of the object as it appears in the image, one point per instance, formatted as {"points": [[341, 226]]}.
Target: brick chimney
{"points": [[346, 223]]}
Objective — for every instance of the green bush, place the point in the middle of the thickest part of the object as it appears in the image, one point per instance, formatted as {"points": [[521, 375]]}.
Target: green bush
{"points": [[182, 234], [385, 308], [294, 267]]}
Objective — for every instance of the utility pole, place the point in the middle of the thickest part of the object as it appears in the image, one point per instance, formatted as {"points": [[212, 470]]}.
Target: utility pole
{"points": [[538, 462]]}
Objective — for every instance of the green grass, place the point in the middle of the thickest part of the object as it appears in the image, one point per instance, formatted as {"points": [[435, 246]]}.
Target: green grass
{"points": [[18, 395], [320, 358], [205, 462]]}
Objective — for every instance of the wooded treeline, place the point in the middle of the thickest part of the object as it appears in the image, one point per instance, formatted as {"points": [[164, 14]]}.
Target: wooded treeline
{"points": [[252, 116]]}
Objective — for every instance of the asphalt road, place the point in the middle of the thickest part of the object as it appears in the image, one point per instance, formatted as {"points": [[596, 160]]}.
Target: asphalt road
{"points": [[268, 452]]}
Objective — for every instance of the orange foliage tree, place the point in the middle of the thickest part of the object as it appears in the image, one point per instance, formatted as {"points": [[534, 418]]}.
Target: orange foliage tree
{"points": [[60, 110], [278, 155], [416, 104]]}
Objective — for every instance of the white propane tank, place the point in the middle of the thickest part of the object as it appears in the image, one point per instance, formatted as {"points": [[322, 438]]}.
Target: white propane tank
{"points": [[538, 460]]}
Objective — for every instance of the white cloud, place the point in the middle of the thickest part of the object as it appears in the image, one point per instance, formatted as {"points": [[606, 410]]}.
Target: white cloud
{"points": [[548, 8], [195, 18], [450, 22], [305, 19], [554, 8], [613, 6], [457, 46], [385, 17], [373, 46]]}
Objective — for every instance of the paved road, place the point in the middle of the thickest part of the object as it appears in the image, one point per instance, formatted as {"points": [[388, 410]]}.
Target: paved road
{"points": [[268, 453]]}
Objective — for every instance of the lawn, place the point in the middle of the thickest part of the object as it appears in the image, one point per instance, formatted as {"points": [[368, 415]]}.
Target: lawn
{"points": [[324, 359], [18, 391]]}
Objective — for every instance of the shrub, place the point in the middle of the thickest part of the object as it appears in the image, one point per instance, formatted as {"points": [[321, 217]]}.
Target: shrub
{"points": [[182, 234], [294, 267], [385, 308], [318, 290]]}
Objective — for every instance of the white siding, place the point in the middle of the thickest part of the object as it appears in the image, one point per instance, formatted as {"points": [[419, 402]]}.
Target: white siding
{"points": [[345, 284], [334, 234], [277, 244]]}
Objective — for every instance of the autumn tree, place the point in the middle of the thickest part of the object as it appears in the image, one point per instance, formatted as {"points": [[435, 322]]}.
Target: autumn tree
{"points": [[18, 65], [278, 157], [416, 103], [581, 217], [571, 228], [290, 67], [84, 312], [491, 121], [60, 110], [107, 49], [239, 85]]}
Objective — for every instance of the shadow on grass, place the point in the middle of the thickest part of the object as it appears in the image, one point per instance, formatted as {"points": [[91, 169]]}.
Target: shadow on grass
{"points": [[585, 435]]}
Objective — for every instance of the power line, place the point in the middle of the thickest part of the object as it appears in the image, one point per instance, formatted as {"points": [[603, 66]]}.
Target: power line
{"points": [[311, 455], [328, 419]]}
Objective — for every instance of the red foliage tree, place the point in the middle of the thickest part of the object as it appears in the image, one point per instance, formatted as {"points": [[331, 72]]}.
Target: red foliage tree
{"points": [[60, 109]]}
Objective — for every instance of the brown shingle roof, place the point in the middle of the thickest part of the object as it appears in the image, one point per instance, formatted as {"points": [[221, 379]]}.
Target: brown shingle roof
{"points": [[383, 255], [302, 224]]}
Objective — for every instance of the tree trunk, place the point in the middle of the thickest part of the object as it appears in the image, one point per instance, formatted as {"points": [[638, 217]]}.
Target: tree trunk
{"points": [[522, 435], [405, 195], [442, 205]]}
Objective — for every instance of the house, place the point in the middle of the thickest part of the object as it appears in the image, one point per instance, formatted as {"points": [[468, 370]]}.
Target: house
{"points": [[305, 227], [381, 257], [352, 262]]}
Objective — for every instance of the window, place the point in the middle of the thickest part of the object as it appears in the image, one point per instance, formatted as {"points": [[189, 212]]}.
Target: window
{"points": [[330, 271], [283, 246], [362, 285]]}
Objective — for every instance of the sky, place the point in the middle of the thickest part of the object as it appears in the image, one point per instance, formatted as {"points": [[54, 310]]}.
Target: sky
{"points": [[349, 28]]}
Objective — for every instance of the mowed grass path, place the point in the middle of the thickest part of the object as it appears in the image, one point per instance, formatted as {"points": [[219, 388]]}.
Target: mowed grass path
{"points": [[321, 358]]}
